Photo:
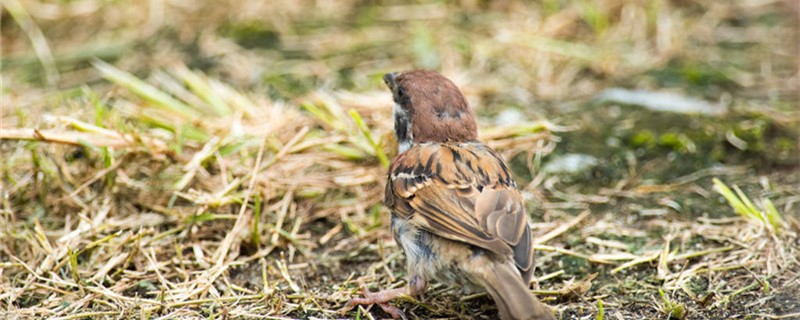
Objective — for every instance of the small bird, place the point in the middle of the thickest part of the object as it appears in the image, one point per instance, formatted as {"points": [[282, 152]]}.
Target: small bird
{"points": [[456, 210]]}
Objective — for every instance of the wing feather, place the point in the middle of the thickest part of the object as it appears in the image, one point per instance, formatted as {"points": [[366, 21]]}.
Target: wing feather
{"points": [[463, 192]]}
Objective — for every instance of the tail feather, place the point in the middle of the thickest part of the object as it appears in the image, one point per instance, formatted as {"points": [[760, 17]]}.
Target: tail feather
{"points": [[514, 300]]}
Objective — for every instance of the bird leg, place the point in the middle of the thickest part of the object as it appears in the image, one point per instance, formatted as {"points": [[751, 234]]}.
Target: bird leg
{"points": [[382, 298]]}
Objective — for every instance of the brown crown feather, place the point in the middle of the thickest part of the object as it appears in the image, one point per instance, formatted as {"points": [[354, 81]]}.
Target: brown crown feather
{"points": [[438, 110]]}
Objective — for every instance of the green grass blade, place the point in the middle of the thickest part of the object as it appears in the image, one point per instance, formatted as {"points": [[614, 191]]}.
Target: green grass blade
{"points": [[600, 310], [319, 114], [150, 93], [200, 87], [733, 200], [376, 146], [773, 216], [750, 207]]}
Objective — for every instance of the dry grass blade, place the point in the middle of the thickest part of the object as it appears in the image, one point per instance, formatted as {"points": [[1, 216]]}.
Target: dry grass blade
{"points": [[118, 141], [229, 161], [562, 228]]}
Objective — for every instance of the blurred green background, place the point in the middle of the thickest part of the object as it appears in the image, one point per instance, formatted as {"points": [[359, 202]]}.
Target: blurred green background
{"points": [[545, 59]]}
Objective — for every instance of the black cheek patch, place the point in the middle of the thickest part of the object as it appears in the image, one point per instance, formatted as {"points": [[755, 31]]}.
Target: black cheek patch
{"points": [[401, 128], [401, 97]]}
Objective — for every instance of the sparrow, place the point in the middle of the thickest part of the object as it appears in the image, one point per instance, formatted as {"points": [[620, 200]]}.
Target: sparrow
{"points": [[456, 210]]}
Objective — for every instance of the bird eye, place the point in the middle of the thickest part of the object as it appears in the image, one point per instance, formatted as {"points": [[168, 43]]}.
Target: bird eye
{"points": [[400, 95]]}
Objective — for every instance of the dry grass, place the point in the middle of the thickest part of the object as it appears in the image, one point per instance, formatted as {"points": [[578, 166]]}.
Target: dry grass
{"points": [[230, 161]]}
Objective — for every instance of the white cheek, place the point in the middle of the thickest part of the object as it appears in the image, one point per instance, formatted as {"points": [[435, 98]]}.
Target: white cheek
{"points": [[403, 146], [398, 112]]}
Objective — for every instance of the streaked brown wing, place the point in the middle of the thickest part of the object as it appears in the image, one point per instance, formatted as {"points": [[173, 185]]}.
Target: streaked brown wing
{"points": [[463, 192]]}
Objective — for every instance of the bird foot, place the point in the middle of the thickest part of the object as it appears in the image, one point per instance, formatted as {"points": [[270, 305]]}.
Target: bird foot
{"points": [[416, 286], [381, 298]]}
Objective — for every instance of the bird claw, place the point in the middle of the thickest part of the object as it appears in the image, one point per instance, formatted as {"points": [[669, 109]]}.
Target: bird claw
{"points": [[393, 311], [381, 298]]}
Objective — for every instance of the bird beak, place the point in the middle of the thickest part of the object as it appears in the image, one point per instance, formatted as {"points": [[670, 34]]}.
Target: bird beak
{"points": [[389, 78]]}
